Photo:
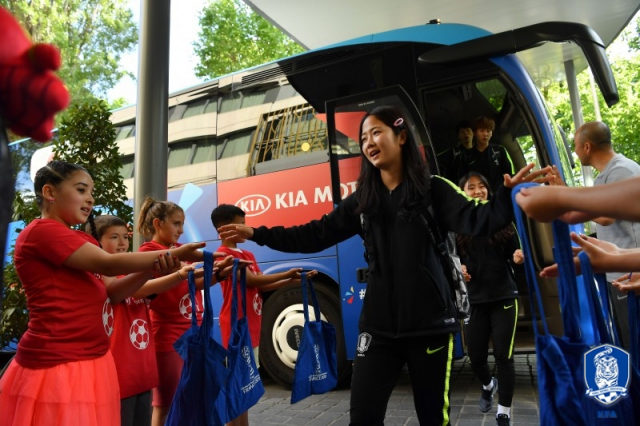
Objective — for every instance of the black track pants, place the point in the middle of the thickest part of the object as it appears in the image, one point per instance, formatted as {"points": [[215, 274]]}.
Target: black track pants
{"points": [[495, 321], [377, 367]]}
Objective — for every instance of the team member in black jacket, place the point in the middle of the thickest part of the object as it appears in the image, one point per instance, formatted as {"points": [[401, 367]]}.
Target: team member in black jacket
{"points": [[408, 315], [494, 306]]}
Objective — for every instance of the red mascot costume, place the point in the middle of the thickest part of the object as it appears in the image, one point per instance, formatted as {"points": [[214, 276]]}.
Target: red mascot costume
{"points": [[30, 93], [30, 96]]}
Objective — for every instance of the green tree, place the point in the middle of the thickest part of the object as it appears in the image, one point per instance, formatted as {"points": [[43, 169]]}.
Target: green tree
{"points": [[86, 137], [92, 35], [622, 118], [233, 37]]}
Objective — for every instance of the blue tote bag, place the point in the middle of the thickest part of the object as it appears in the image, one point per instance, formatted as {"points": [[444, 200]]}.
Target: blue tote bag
{"points": [[204, 372], [566, 369], [316, 369], [243, 387]]}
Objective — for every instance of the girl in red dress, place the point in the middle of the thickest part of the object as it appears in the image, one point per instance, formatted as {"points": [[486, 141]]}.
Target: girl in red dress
{"points": [[63, 372]]}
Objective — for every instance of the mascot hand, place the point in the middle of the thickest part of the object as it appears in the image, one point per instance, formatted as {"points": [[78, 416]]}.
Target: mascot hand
{"points": [[30, 93]]}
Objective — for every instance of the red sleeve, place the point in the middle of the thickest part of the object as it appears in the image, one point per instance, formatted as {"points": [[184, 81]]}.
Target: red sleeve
{"points": [[40, 233]]}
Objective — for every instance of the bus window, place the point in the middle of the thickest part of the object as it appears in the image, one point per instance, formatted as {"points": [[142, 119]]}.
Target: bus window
{"points": [[127, 167], [180, 154], [493, 91], [196, 107], [125, 132], [236, 144], [205, 150], [288, 138], [230, 102]]}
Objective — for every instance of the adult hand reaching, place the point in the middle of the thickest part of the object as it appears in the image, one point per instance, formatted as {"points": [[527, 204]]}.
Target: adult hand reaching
{"points": [[237, 232]]}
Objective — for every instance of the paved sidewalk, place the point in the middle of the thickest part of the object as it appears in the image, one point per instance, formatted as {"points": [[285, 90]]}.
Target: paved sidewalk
{"points": [[332, 408]]}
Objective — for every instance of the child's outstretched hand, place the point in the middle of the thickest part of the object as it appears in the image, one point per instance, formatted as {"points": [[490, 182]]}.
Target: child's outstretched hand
{"points": [[223, 268], [189, 252], [600, 254], [296, 275], [628, 282], [165, 264]]}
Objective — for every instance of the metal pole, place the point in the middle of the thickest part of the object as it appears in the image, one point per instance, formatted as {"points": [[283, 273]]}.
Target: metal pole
{"points": [[594, 96], [576, 107], [150, 164]]}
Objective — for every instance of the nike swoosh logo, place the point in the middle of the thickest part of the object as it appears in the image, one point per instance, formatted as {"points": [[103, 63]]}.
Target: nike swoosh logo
{"points": [[621, 298], [432, 351], [507, 307]]}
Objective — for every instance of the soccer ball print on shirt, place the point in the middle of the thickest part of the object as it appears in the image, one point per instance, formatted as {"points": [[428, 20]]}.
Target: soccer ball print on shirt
{"points": [[139, 334], [186, 308], [107, 317]]}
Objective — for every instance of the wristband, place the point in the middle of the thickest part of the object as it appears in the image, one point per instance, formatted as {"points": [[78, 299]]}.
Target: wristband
{"points": [[179, 276]]}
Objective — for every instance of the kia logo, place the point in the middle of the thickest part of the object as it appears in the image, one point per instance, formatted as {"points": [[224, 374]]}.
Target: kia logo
{"points": [[254, 205]]}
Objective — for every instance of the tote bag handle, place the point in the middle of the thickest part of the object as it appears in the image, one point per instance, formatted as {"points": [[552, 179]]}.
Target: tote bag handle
{"points": [[207, 317], [305, 300], [235, 295], [602, 320], [530, 270], [633, 303], [579, 325]]}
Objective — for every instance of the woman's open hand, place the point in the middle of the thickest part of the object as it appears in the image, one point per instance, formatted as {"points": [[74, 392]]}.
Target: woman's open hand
{"points": [[235, 232], [526, 174]]}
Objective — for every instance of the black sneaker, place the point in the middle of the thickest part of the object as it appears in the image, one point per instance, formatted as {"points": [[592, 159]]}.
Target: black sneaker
{"points": [[503, 420], [486, 400]]}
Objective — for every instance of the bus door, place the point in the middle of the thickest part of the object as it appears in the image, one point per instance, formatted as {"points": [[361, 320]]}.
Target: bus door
{"points": [[343, 117]]}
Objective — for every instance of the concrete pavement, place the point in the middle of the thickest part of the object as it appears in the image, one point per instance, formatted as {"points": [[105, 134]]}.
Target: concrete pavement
{"points": [[332, 408]]}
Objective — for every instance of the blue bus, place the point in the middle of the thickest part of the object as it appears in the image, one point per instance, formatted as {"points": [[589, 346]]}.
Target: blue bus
{"points": [[281, 141]]}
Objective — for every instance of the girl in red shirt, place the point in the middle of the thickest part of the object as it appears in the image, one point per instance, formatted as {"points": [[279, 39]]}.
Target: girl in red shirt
{"points": [[161, 222], [63, 372], [132, 342]]}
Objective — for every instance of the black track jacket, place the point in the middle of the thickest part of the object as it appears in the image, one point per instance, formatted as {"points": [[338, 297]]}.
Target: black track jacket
{"points": [[407, 291]]}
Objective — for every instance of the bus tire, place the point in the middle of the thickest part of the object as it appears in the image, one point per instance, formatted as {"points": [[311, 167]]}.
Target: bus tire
{"points": [[282, 324]]}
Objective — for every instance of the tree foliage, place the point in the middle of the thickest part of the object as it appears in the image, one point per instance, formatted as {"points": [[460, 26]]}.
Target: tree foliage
{"points": [[621, 118], [86, 137], [233, 37], [92, 35]]}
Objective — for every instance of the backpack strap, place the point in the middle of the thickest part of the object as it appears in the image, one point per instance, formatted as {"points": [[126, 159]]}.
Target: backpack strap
{"points": [[367, 241]]}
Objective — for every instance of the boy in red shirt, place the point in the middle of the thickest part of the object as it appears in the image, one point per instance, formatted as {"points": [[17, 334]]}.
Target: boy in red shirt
{"points": [[257, 282]]}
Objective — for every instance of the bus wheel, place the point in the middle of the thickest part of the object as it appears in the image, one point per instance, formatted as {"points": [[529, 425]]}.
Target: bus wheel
{"points": [[282, 324]]}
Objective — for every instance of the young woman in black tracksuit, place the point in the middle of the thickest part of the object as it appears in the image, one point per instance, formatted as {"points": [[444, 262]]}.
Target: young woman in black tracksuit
{"points": [[408, 316], [494, 306]]}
